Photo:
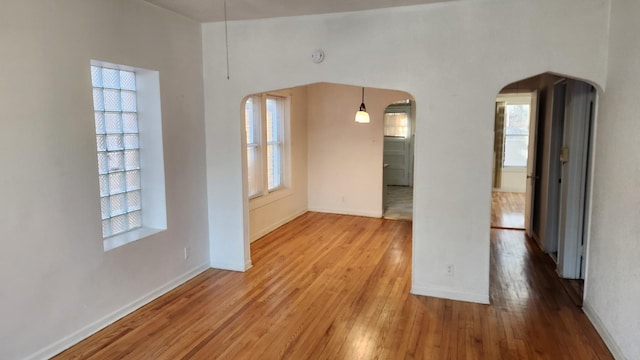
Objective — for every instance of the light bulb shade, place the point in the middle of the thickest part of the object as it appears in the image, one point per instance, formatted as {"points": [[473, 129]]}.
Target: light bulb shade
{"points": [[362, 117]]}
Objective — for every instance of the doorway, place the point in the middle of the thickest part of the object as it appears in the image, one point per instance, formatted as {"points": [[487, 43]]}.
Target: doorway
{"points": [[399, 125], [514, 124], [557, 171]]}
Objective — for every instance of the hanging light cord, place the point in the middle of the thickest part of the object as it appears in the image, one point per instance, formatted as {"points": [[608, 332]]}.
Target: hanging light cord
{"points": [[362, 107], [226, 37]]}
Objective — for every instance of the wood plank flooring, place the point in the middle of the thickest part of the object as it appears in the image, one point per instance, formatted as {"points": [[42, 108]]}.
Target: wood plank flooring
{"points": [[507, 210], [337, 287]]}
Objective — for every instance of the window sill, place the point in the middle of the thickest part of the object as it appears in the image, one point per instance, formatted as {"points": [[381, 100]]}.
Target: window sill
{"points": [[271, 197], [128, 237]]}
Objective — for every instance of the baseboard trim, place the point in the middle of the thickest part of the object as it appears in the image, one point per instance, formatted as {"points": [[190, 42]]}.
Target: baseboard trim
{"points": [[240, 267], [276, 225], [74, 338], [602, 330], [373, 214], [451, 295]]}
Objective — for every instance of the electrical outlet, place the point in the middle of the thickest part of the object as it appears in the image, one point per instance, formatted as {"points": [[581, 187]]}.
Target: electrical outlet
{"points": [[450, 270], [187, 253]]}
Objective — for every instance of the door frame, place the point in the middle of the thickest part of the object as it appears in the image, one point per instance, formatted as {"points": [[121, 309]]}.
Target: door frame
{"points": [[531, 164]]}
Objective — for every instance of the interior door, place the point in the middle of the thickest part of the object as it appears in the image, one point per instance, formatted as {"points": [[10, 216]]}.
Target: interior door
{"points": [[397, 146], [574, 198], [531, 164]]}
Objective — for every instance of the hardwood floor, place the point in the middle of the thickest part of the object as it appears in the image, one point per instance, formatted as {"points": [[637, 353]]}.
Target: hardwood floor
{"points": [[337, 287], [507, 210]]}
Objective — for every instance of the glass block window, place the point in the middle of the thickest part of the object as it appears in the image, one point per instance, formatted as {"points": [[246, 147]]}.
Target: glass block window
{"points": [[118, 147]]}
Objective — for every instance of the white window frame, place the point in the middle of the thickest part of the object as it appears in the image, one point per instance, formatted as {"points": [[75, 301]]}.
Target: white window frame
{"points": [[507, 136], [154, 213], [265, 194]]}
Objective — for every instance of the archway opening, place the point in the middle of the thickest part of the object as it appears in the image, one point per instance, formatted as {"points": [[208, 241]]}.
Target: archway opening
{"points": [[551, 155], [304, 151]]}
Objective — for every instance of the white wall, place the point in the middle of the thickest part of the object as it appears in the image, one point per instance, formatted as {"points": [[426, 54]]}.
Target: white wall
{"points": [[513, 180], [613, 273], [275, 209], [57, 283], [446, 56], [345, 157]]}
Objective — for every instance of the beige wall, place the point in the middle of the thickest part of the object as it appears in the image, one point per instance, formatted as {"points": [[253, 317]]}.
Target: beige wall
{"points": [[345, 158], [268, 212]]}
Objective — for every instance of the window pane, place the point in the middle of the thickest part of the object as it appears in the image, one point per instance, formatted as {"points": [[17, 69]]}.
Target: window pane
{"points": [[117, 204], [114, 142], [135, 220], [100, 128], [131, 159], [103, 163], [104, 208], [111, 100], [517, 122], [274, 166], [96, 76], [119, 224], [275, 118], [275, 124], [110, 78], [116, 161], [128, 101], [127, 80], [396, 124], [133, 180], [106, 227], [254, 171], [130, 123], [516, 135], [133, 201], [252, 120], [98, 100], [515, 150], [116, 183]]}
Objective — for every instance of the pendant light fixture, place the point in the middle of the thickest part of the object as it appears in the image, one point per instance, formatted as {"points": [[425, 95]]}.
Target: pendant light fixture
{"points": [[362, 116]]}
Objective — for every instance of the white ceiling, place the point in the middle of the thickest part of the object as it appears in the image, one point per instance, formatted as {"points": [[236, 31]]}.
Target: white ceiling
{"points": [[213, 10]]}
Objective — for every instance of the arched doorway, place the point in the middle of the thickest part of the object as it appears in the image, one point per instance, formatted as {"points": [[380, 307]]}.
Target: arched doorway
{"points": [[556, 173]]}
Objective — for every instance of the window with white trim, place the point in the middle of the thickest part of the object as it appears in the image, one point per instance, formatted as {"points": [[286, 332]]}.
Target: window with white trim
{"points": [[265, 141], [128, 125], [516, 138]]}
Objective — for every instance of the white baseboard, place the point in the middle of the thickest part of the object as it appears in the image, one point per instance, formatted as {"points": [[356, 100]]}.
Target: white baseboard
{"points": [[72, 339], [274, 226], [373, 214], [449, 294], [602, 330], [241, 267]]}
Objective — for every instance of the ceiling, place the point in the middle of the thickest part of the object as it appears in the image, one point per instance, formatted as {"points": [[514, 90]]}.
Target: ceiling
{"points": [[213, 10]]}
